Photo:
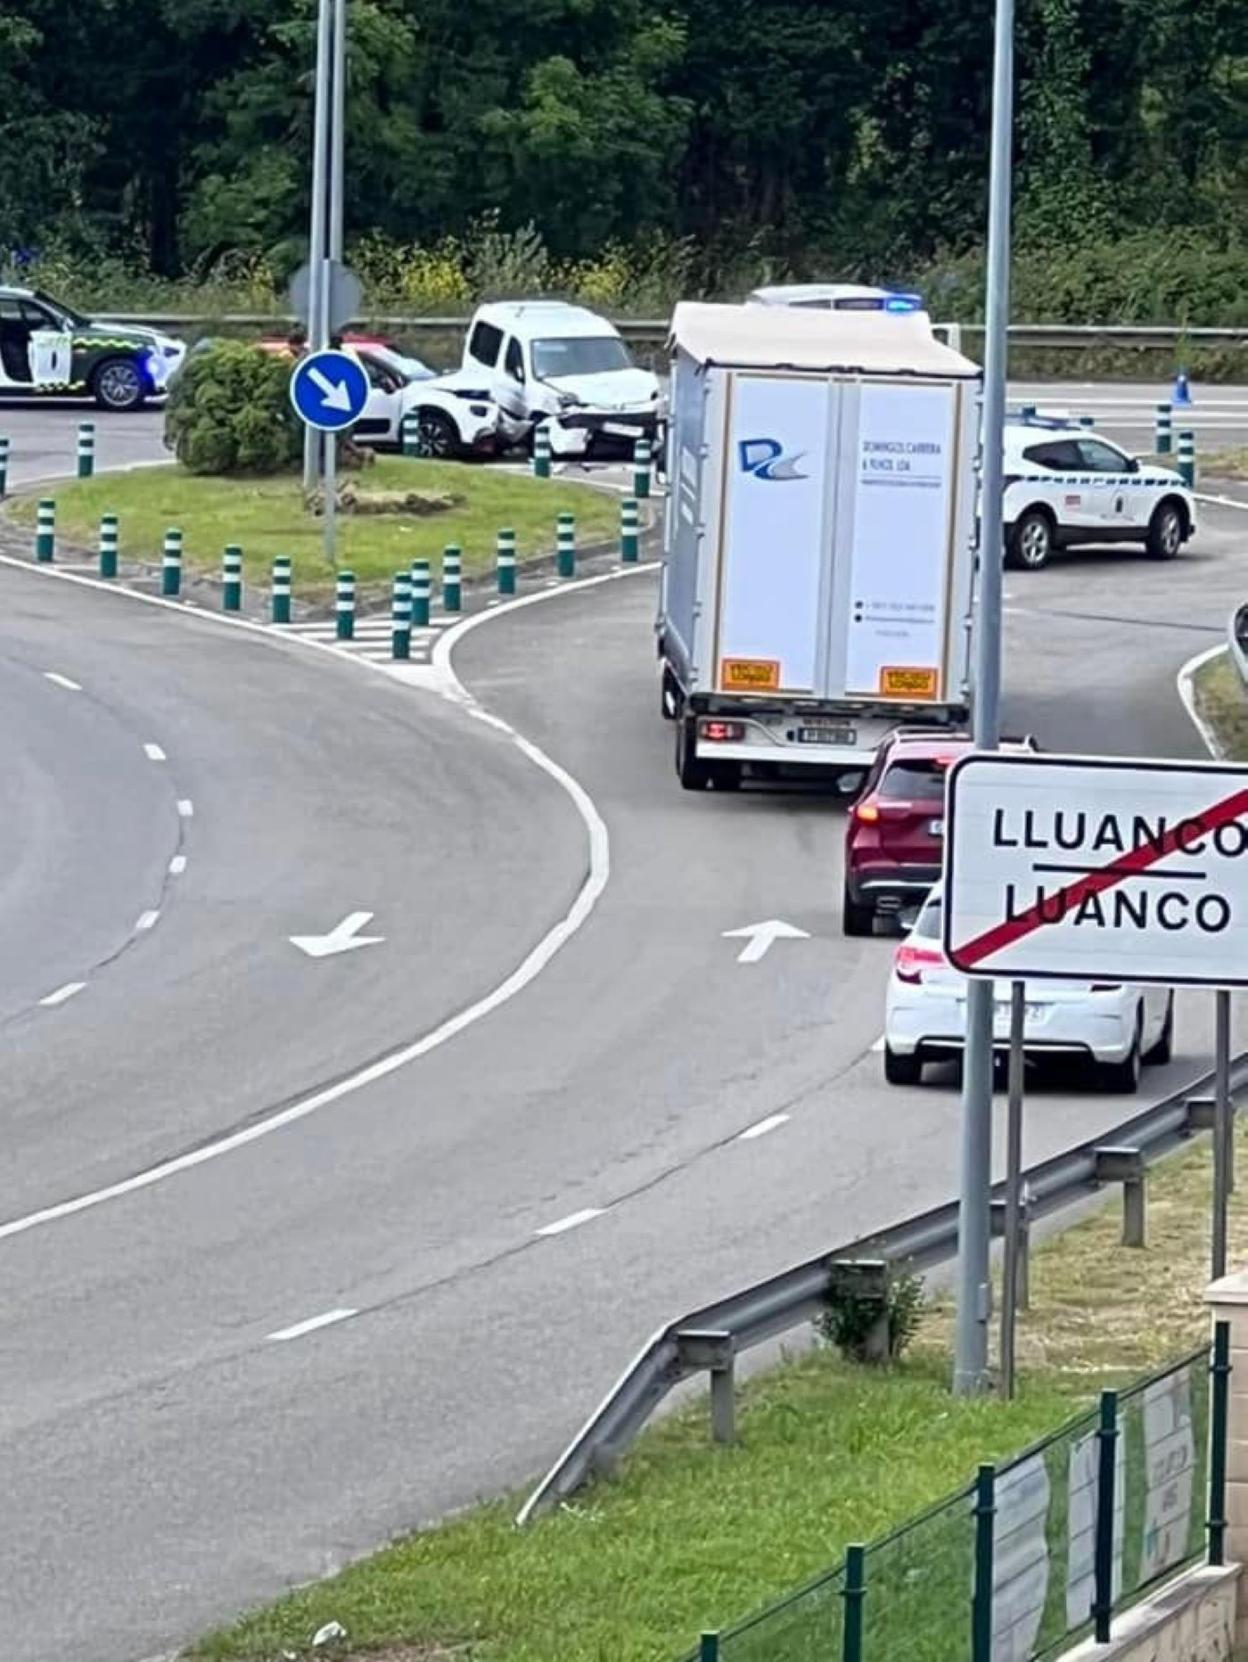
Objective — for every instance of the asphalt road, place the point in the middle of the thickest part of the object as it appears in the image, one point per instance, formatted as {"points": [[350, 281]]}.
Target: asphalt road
{"points": [[494, 1225]]}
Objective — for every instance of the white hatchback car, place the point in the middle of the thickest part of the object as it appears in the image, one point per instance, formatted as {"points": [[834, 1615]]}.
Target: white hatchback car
{"points": [[1116, 1026], [1066, 487]]}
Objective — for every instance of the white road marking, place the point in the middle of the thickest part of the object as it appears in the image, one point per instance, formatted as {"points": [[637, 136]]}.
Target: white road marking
{"points": [[771, 1123], [1187, 692], [177, 865], [61, 681], [343, 937], [147, 920], [759, 937], [61, 994], [186, 807], [878, 1047], [1222, 501], [327, 1319], [573, 1221], [154, 753]]}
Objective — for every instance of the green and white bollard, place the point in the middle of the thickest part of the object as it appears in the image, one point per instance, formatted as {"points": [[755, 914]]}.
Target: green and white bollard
{"points": [[171, 563], [630, 530], [422, 584], [1187, 459], [45, 530], [86, 449], [232, 578], [452, 578], [4, 464], [279, 595], [108, 545], [506, 562], [1163, 438], [541, 452], [344, 606], [409, 435], [641, 468], [565, 546], [401, 616]]}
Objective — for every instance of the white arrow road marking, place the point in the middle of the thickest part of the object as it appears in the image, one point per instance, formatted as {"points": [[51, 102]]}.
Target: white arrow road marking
{"points": [[342, 938], [758, 937], [334, 393], [326, 1319]]}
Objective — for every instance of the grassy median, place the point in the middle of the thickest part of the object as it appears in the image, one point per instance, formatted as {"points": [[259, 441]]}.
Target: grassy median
{"points": [[267, 517], [690, 1537]]}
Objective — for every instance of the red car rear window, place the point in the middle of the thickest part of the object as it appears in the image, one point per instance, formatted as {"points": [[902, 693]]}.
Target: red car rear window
{"points": [[915, 781]]}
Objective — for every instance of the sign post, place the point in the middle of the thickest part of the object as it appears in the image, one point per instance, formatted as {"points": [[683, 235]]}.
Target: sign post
{"points": [[1013, 1185], [328, 391]]}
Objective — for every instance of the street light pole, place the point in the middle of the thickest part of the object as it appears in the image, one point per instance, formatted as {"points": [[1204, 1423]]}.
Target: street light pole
{"points": [[317, 238], [970, 1372]]}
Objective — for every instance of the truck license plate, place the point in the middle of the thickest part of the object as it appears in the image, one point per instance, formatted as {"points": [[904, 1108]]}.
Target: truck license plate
{"points": [[827, 735]]}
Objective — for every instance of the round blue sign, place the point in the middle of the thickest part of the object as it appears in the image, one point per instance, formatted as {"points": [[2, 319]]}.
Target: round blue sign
{"points": [[328, 390]]}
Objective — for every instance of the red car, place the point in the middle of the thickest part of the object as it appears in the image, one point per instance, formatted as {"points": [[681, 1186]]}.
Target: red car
{"points": [[894, 837]]}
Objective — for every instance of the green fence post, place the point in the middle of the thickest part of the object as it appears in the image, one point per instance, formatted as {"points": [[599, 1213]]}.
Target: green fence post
{"points": [[565, 545], [421, 585], [401, 616], [854, 1593], [1107, 1440], [45, 530], [1163, 431], [4, 464], [86, 449], [1219, 1411], [641, 468], [171, 563], [1187, 459], [630, 530], [279, 595], [452, 578], [231, 578], [541, 452], [410, 434], [344, 606], [708, 1648], [981, 1597], [108, 545], [506, 562]]}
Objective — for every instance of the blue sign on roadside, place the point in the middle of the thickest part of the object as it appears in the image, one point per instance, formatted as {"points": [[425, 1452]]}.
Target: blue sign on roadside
{"points": [[328, 390]]}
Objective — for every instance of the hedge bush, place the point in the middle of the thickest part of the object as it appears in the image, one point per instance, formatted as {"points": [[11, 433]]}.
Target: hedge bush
{"points": [[229, 411]]}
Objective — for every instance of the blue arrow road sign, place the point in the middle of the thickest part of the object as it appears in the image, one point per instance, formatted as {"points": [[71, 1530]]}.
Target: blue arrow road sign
{"points": [[328, 390]]}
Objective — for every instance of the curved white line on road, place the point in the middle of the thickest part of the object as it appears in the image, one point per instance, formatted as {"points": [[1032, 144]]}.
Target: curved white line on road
{"points": [[1187, 692], [448, 683], [61, 681]]}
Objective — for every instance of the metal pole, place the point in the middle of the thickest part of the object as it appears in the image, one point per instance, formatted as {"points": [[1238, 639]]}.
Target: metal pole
{"points": [[337, 124], [970, 1371], [317, 228], [329, 527], [1013, 1185], [1221, 1127]]}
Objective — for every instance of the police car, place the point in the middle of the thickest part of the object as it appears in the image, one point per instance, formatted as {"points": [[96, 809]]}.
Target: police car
{"points": [[1067, 487], [48, 349]]}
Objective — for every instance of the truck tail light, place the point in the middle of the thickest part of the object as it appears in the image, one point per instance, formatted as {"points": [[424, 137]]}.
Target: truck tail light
{"points": [[722, 732], [911, 961]]}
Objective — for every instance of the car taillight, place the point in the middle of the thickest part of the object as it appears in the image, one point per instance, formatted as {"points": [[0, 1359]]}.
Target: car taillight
{"points": [[867, 812], [722, 732], [911, 961]]}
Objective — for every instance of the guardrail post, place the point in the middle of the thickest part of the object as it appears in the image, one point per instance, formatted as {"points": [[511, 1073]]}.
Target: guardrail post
{"points": [[280, 593], [401, 616], [45, 530], [541, 452], [344, 606], [1187, 459], [421, 585], [641, 468], [409, 434], [565, 545], [4, 464], [452, 578], [1219, 1414], [981, 1597], [86, 449], [714, 1350], [630, 530], [171, 563], [231, 578], [1128, 1167], [854, 1593], [506, 562], [708, 1648], [1107, 1441], [1163, 434], [108, 545]]}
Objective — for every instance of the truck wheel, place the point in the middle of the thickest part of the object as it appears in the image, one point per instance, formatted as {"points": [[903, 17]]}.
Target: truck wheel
{"points": [[693, 774], [902, 1070], [670, 696], [856, 919]]}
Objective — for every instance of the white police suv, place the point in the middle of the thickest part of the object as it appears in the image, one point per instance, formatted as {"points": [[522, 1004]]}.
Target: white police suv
{"points": [[1067, 487]]}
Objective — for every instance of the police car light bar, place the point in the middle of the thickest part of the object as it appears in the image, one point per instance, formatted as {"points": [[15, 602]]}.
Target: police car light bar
{"points": [[904, 303]]}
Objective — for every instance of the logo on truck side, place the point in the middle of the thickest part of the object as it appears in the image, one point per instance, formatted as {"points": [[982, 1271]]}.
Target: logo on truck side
{"points": [[768, 459]]}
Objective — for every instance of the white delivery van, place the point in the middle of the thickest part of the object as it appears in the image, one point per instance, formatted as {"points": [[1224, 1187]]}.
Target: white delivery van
{"points": [[819, 539]]}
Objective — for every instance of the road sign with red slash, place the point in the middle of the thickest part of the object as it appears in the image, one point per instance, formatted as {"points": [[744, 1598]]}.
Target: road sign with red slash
{"points": [[1094, 869]]}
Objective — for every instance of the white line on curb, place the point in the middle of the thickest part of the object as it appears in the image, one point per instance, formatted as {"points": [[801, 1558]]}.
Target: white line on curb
{"points": [[186, 807], [61, 681], [154, 753], [1187, 692], [573, 1221], [772, 1123], [61, 994], [310, 1326], [177, 865], [146, 920]]}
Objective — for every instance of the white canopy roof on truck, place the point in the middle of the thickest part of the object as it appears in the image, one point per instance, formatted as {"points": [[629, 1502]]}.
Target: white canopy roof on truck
{"points": [[781, 337]]}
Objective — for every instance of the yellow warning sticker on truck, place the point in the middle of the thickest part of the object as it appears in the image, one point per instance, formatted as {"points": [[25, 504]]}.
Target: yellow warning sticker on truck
{"points": [[749, 674], [902, 682]]}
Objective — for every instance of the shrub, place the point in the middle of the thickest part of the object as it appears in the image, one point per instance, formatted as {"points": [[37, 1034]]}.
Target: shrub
{"points": [[849, 1320], [229, 412]]}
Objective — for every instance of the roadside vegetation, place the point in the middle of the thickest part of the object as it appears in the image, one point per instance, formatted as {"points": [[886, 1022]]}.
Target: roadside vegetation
{"points": [[689, 1537], [1223, 704]]}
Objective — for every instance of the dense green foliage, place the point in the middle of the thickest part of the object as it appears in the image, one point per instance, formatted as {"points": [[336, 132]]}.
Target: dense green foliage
{"points": [[841, 137], [229, 412]]}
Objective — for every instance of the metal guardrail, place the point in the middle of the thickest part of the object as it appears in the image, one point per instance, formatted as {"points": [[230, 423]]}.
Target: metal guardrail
{"points": [[707, 1340]]}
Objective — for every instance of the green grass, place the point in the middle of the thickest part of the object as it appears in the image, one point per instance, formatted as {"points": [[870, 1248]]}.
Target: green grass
{"points": [[690, 1537], [1223, 702], [267, 517], [1224, 464]]}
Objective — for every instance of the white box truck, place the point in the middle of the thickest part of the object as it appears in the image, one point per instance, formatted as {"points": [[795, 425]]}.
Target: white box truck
{"points": [[819, 539]]}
